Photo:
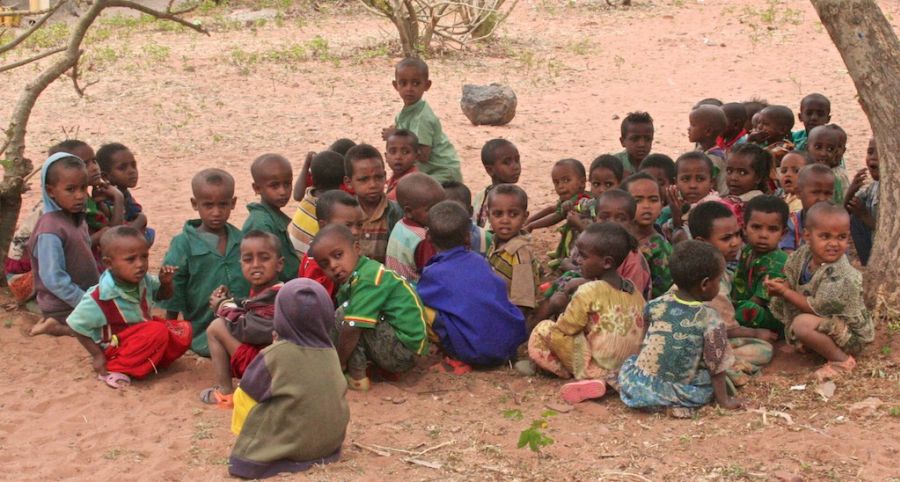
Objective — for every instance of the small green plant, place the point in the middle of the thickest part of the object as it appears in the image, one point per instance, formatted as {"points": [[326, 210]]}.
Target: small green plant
{"points": [[203, 431], [582, 47], [894, 411], [47, 36], [156, 52], [513, 414], [534, 436], [886, 350]]}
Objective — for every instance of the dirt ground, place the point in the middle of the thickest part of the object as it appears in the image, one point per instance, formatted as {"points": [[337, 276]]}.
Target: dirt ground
{"points": [[183, 102]]}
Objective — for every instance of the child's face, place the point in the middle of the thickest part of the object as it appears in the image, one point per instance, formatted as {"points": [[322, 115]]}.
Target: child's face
{"points": [[828, 238], [660, 174], [602, 180], [638, 141], [614, 210], [754, 122], [694, 180], [649, 203], [275, 185], [725, 236], [593, 264], [789, 170], [367, 181], [816, 188], [260, 263], [774, 131], [337, 257], [764, 231], [506, 215], [566, 181], [86, 154], [872, 160], [214, 202], [128, 259], [70, 189], [697, 129], [350, 216], [825, 147], [814, 113], [740, 175], [401, 155], [411, 84], [507, 165], [124, 172]]}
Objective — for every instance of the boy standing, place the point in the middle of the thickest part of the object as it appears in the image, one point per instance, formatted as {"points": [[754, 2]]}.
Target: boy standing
{"points": [[272, 179], [408, 251], [501, 161], [827, 145], [328, 172], [437, 156], [365, 175], [862, 203], [637, 139], [510, 254], [207, 254], [815, 111]]}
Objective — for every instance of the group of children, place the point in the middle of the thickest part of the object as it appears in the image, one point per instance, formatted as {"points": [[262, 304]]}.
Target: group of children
{"points": [[670, 283]]}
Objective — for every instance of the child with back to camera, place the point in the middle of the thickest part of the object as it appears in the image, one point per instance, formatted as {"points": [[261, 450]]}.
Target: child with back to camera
{"points": [[365, 175], [707, 122], [636, 139], [272, 177], [480, 238], [501, 161], [684, 356], [401, 153], [788, 171], [735, 120], [408, 250], [327, 170], [119, 167], [305, 178], [815, 184], [510, 253], [827, 145], [862, 203], [820, 299], [815, 111], [653, 245], [334, 207]]}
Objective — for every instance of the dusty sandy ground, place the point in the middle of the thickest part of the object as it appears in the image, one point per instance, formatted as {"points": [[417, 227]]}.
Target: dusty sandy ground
{"points": [[183, 102]]}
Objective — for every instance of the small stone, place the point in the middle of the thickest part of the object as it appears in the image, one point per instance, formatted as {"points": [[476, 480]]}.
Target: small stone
{"points": [[493, 105], [866, 408], [249, 18]]}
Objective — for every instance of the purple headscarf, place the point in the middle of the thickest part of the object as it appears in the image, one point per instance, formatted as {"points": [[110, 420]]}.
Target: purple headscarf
{"points": [[303, 313]]}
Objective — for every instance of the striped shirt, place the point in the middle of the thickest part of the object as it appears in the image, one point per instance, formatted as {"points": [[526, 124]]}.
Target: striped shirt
{"points": [[304, 226], [514, 263], [376, 229], [401, 249]]}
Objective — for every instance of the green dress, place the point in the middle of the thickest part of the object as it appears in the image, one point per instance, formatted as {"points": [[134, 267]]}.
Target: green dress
{"points": [[656, 251], [748, 284]]}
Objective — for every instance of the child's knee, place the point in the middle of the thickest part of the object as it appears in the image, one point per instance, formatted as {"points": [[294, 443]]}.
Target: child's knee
{"points": [[805, 324], [215, 328]]}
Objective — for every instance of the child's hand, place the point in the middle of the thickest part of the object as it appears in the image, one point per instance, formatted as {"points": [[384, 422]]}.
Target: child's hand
{"points": [[218, 295], [558, 301], [98, 363], [765, 335], [167, 274], [775, 286], [567, 206], [387, 132], [855, 206], [858, 179], [756, 136], [106, 192]]}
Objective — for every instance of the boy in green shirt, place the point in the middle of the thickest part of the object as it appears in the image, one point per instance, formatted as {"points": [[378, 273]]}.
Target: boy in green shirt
{"points": [[437, 156], [272, 181], [207, 255], [380, 318]]}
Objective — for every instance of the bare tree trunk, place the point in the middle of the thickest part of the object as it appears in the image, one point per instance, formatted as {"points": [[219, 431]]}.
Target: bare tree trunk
{"points": [[871, 51]]}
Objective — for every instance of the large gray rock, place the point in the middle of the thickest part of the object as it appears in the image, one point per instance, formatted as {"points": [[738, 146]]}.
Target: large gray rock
{"points": [[493, 105]]}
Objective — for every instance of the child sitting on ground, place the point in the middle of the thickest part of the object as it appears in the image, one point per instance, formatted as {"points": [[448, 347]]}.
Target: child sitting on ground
{"points": [[765, 222], [606, 172], [707, 122], [662, 168], [475, 323], [713, 223], [480, 238], [791, 164], [272, 178], [243, 326], [774, 134], [862, 203], [684, 357], [366, 177], [820, 301], [815, 111], [735, 120], [653, 246], [693, 185], [327, 169], [289, 419], [569, 180], [747, 173], [334, 207], [815, 184], [827, 145], [401, 152], [207, 255], [636, 139], [60, 244], [408, 251], [118, 166], [112, 321], [600, 326], [510, 253], [437, 155], [500, 159], [381, 319]]}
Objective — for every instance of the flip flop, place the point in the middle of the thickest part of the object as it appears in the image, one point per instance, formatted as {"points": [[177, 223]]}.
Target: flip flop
{"points": [[454, 367], [577, 392], [212, 396], [115, 380]]}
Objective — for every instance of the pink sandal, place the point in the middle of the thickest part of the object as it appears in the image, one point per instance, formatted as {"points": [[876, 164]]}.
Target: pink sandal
{"points": [[577, 392], [115, 380]]}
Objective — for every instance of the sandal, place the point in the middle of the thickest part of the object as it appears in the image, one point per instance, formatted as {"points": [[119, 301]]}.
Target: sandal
{"points": [[115, 380], [833, 370], [361, 385], [212, 396], [452, 366], [577, 392]]}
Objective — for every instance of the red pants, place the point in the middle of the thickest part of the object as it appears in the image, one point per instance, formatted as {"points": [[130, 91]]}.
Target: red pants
{"points": [[242, 357], [146, 347]]}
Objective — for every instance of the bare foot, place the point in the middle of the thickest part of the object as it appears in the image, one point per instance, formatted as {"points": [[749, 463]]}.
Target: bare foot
{"points": [[52, 327]]}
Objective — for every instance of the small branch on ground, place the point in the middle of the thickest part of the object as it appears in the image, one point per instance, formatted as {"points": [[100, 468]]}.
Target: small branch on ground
{"points": [[172, 16]]}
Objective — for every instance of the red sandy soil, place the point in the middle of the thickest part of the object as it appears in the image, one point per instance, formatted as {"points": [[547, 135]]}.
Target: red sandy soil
{"points": [[182, 102]]}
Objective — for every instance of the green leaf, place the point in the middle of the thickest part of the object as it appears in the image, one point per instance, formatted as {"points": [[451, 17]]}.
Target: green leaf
{"points": [[513, 414]]}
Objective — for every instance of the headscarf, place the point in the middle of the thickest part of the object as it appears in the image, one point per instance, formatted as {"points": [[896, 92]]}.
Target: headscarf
{"points": [[49, 204], [303, 311]]}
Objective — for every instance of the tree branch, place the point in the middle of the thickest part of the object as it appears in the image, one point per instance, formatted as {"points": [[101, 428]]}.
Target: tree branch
{"points": [[16, 41], [172, 16], [26, 13], [74, 75], [32, 59]]}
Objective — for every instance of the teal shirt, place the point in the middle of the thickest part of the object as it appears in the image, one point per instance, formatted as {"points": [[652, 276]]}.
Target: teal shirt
{"points": [[627, 164], [270, 220], [201, 269], [88, 319], [443, 164], [800, 138]]}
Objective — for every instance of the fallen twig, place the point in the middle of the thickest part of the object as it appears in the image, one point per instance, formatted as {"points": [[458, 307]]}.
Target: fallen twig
{"points": [[372, 449], [409, 452], [424, 463]]}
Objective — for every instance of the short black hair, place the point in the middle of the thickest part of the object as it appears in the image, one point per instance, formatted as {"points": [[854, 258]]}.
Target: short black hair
{"points": [[327, 169], [807, 158], [341, 146], [418, 189], [610, 162], [760, 161], [635, 118], [813, 170], [660, 161], [694, 156], [414, 62], [735, 112], [709, 101], [457, 191], [326, 202], [106, 153], [610, 239], [116, 233], [67, 162], [448, 225], [413, 138], [509, 190], [831, 128], [258, 164], [639, 176], [358, 153], [339, 230], [822, 209], [754, 105], [618, 195], [487, 151], [817, 97], [693, 261], [781, 114], [704, 215], [67, 145], [212, 176], [574, 164], [273, 240], [767, 204]]}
